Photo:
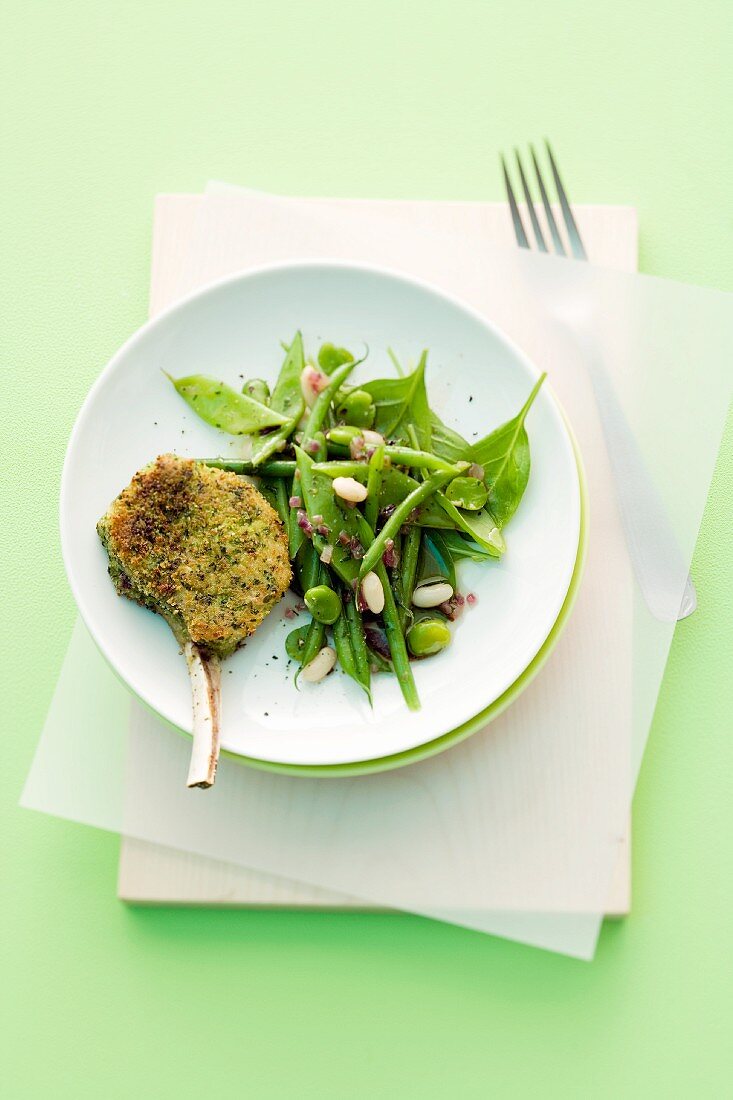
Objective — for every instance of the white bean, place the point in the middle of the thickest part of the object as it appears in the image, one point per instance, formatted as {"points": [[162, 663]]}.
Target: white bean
{"points": [[373, 593], [320, 666], [348, 488], [373, 438], [431, 595]]}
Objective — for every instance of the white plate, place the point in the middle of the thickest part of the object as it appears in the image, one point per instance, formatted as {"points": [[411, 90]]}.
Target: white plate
{"points": [[476, 379]]}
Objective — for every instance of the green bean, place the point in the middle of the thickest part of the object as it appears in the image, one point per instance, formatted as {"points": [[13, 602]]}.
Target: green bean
{"points": [[347, 656], [400, 514], [309, 566], [396, 641], [393, 630], [374, 483], [409, 456], [220, 405], [408, 571], [345, 468], [344, 650], [275, 491], [318, 413], [400, 456], [323, 603], [358, 642], [284, 467]]}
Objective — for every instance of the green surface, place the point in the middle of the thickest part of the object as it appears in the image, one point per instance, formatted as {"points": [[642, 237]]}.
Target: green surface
{"points": [[103, 105]]}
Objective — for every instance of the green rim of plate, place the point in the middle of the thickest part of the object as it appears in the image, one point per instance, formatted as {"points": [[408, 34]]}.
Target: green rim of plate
{"points": [[460, 733]]}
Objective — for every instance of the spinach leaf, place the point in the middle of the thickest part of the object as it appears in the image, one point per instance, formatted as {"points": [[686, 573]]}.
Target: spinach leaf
{"points": [[460, 547], [446, 443], [394, 399], [504, 455], [435, 559], [481, 526]]}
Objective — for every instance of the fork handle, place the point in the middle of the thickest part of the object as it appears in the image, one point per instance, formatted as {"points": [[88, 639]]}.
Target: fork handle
{"points": [[653, 547]]}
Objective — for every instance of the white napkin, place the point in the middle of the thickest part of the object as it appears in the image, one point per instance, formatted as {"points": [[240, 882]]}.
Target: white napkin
{"points": [[521, 824]]}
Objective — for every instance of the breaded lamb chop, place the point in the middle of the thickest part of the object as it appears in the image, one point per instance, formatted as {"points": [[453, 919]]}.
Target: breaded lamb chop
{"points": [[204, 549]]}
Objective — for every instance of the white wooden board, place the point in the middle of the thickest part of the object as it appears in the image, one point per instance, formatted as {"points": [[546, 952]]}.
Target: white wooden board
{"points": [[152, 874]]}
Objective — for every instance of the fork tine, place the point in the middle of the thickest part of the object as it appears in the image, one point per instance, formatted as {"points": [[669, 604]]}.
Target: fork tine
{"points": [[573, 235], [556, 238], [519, 232], [530, 205]]}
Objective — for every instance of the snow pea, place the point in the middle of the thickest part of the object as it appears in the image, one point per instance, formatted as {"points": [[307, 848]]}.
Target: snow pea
{"points": [[287, 397], [352, 616], [393, 629], [316, 493], [221, 406], [347, 656]]}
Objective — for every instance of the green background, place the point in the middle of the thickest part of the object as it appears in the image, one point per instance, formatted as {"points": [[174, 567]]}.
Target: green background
{"points": [[104, 104]]}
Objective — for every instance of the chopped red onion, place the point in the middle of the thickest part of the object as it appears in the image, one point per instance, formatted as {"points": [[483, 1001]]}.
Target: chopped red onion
{"points": [[476, 470], [390, 557], [318, 518], [312, 447], [356, 447], [459, 598], [471, 598], [357, 550], [295, 502], [326, 554], [344, 538], [323, 529], [304, 523], [376, 639]]}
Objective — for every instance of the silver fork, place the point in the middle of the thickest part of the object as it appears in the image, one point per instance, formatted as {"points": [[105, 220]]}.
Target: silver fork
{"points": [[653, 548]]}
